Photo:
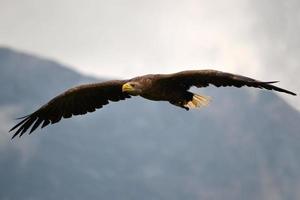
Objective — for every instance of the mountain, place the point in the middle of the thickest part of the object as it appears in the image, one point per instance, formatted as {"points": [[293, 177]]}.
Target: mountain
{"points": [[244, 145]]}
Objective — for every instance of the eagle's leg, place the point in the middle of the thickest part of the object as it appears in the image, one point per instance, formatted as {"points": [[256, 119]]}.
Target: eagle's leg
{"points": [[198, 101], [195, 101]]}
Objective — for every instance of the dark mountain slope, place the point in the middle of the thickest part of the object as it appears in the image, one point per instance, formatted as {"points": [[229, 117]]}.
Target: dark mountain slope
{"points": [[243, 146]]}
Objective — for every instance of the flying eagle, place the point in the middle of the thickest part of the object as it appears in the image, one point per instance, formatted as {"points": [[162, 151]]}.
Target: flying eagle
{"points": [[173, 88]]}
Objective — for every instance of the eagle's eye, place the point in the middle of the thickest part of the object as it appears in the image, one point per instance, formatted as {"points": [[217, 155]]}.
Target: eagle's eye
{"points": [[133, 84]]}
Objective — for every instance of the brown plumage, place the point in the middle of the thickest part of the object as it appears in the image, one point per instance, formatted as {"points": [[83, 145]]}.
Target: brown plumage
{"points": [[158, 87]]}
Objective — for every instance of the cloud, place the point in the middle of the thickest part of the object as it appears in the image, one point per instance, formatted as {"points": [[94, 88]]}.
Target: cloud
{"points": [[276, 30], [128, 38], [125, 38]]}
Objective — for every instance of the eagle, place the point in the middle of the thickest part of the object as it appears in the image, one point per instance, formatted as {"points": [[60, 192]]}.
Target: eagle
{"points": [[173, 88]]}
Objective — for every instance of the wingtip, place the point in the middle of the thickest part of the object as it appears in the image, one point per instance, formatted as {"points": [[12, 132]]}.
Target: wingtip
{"points": [[13, 128], [280, 89], [289, 92], [13, 136], [21, 117], [271, 82]]}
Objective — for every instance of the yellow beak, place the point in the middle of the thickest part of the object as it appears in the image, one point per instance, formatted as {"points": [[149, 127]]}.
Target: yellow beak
{"points": [[127, 88]]}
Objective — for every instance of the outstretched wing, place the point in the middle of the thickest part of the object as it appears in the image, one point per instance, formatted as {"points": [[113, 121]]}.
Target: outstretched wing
{"points": [[202, 78], [75, 101]]}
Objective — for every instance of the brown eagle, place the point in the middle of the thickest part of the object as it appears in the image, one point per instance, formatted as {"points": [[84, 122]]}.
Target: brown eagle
{"points": [[173, 88]]}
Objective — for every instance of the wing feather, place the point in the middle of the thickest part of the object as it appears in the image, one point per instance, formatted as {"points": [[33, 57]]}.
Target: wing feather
{"points": [[75, 101], [203, 78]]}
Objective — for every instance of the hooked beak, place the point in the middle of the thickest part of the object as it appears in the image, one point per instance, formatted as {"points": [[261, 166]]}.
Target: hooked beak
{"points": [[127, 88]]}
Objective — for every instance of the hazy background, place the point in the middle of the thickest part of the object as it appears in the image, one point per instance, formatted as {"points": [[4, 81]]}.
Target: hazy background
{"points": [[245, 145], [124, 38]]}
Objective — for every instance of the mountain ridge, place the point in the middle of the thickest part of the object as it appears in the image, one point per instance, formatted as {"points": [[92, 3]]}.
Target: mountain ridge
{"points": [[243, 146]]}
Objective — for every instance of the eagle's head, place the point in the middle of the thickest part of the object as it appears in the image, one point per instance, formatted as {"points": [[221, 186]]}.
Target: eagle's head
{"points": [[133, 88]]}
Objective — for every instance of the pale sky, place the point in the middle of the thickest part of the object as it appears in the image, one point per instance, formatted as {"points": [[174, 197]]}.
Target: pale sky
{"points": [[124, 38]]}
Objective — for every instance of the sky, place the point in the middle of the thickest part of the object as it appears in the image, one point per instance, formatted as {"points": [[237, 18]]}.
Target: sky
{"points": [[125, 38]]}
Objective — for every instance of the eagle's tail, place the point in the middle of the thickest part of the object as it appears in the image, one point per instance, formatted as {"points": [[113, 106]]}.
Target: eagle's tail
{"points": [[198, 101]]}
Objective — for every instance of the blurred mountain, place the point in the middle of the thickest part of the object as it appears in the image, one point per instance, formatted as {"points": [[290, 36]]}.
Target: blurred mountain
{"points": [[244, 145]]}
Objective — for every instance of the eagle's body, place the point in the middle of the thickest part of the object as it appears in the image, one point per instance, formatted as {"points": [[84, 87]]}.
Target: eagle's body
{"points": [[173, 88], [154, 89]]}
